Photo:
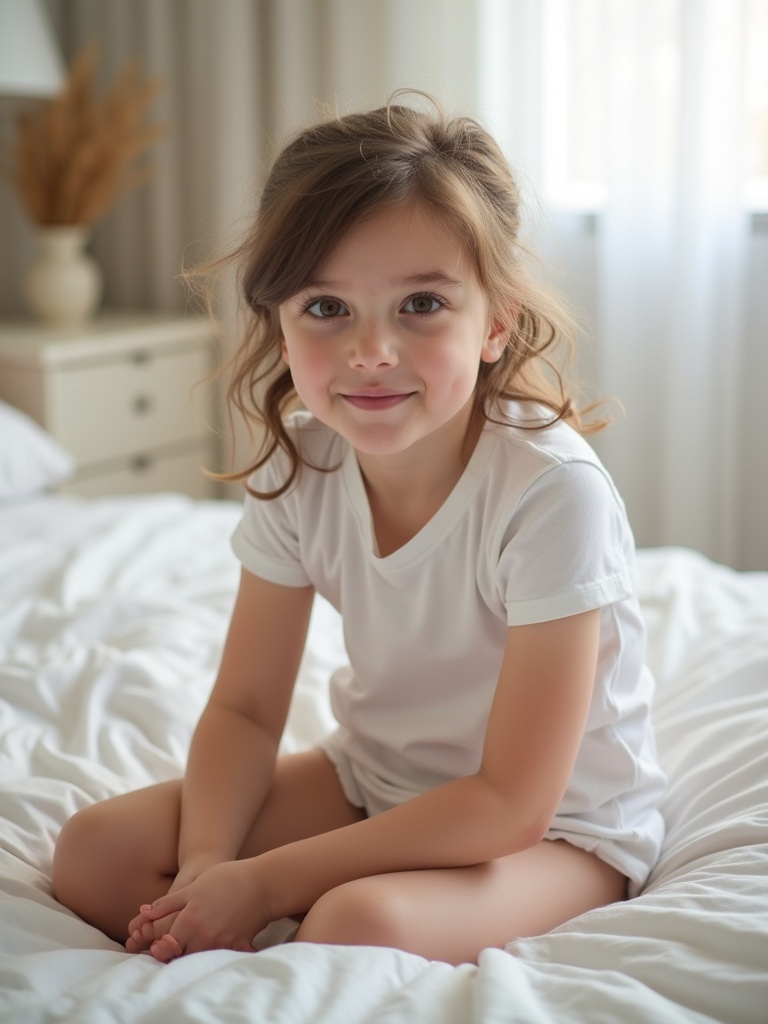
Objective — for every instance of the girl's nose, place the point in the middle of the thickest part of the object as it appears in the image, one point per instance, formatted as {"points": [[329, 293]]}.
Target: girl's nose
{"points": [[373, 347]]}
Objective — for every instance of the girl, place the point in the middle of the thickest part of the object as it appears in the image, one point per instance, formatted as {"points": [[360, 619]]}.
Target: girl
{"points": [[493, 772]]}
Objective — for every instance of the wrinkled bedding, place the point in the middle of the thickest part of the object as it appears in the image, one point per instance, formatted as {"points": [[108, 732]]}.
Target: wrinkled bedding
{"points": [[112, 615]]}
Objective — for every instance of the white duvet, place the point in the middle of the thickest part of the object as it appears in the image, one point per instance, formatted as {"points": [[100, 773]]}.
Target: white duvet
{"points": [[112, 615]]}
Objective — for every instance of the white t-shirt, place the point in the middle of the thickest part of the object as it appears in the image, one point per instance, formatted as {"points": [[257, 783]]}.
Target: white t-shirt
{"points": [[534, 530]]}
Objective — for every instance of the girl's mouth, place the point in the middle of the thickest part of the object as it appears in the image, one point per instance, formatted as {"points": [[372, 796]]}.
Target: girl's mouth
{"points": [[374, 402]]}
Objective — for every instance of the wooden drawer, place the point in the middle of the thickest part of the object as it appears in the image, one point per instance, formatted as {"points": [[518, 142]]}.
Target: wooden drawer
{"points": [[169, 470], [143, 401]]}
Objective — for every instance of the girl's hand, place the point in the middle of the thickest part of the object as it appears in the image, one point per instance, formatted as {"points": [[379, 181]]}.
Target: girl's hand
{"points": [[143, 931], [221, 909]]}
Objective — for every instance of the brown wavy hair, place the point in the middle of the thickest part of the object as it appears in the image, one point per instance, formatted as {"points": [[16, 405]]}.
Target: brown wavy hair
{"points": [[331, 175]]}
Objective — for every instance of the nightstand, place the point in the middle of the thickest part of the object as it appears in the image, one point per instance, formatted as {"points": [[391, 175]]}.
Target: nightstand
{"points": [[120, 395]]}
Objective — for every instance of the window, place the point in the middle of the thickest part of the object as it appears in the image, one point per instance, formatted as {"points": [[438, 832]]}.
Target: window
{"points": [[756, 185], [578, 74]]}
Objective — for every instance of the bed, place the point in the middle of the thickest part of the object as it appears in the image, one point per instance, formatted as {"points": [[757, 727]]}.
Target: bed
{"points": [[112, 616]]}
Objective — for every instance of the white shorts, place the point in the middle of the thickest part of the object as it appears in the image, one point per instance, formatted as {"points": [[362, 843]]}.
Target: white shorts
{"points": [[631, 851], [370, 793]]}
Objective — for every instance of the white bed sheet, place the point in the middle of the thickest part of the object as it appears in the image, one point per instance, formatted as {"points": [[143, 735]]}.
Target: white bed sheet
{"points": [[112, 615]]}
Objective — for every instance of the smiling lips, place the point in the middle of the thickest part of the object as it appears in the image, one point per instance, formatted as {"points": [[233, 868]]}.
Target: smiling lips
{"points": [[376, 400]]}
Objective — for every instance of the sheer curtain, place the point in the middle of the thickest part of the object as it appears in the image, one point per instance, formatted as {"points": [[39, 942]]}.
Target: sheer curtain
{"points": [[672, 257], [660, 261]]}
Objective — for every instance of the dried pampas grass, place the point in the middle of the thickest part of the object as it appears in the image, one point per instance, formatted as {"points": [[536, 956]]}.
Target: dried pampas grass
{"points": [[76, 155]]}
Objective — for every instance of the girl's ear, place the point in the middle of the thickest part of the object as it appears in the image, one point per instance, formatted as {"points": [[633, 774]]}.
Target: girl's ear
{"points": [[496, 342]]}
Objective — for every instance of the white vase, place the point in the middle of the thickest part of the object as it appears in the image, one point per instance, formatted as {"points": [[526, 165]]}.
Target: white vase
{"points": [[63, 284]]}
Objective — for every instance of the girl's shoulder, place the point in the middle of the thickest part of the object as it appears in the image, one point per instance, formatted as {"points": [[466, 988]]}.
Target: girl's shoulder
{"points": [[529, 426], [558, 537], [533, 476], [526, 444], [317, 444]]}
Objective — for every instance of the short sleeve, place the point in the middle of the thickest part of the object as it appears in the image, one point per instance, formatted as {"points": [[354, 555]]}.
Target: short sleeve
{"points": [[567, 548], [266, 539]]}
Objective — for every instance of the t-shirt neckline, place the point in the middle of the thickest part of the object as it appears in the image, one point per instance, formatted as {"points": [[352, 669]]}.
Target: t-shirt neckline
{"points": [[441, 523]]}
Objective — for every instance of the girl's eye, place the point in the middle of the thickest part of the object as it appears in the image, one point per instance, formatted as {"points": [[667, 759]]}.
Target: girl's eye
{"points": [[325, 308], [422, 304]]}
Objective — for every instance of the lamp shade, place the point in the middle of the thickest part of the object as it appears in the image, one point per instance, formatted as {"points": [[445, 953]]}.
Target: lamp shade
{"points": [[30, 62]]}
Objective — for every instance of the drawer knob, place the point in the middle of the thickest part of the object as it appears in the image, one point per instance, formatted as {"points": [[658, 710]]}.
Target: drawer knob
{"points": [[141, 463], [142, 404]]}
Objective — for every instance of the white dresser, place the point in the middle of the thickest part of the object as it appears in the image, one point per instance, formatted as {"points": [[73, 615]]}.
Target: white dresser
{"points": [[121, 395]]}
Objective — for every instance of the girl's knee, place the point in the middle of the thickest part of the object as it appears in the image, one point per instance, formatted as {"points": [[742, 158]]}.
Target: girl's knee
{"points": [[67, 855], [363, 912], [84, 847]]}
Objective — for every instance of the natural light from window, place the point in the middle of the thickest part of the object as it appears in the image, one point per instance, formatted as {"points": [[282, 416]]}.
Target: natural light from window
{"points": [[575, 81]]}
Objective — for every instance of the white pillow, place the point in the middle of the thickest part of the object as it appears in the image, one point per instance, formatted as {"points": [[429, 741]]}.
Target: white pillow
{"points": [[31, 460]]}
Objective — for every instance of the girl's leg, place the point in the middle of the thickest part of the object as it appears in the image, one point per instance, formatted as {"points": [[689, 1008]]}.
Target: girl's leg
{"points": [[452, 914], [115, 855]]}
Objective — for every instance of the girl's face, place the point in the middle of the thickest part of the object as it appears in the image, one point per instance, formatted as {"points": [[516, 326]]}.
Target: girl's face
{"points": [[384, 344]]}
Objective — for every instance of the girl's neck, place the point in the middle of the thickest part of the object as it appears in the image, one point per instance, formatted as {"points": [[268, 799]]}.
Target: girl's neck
{"points": [[405, 491]]}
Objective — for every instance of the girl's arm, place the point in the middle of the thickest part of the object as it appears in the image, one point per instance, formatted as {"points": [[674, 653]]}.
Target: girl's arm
{"points": [[233, 751], [532, 739]]}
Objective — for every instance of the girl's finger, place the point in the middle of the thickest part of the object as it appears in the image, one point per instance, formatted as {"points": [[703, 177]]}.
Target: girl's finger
{"points": [[137, 922], [132, 946], [173, 901], [141, 933], [166, 949]]}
